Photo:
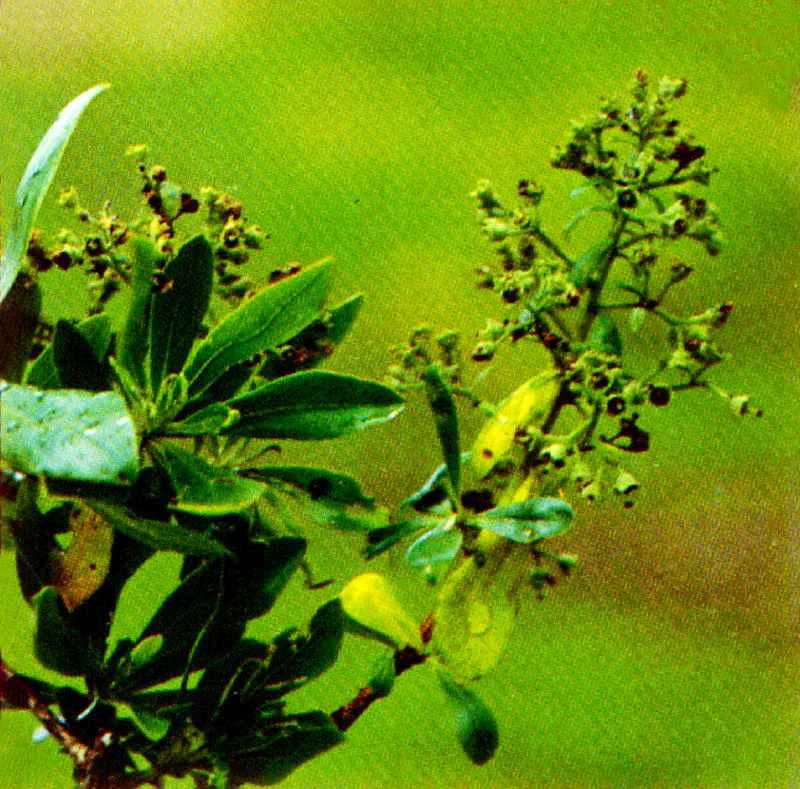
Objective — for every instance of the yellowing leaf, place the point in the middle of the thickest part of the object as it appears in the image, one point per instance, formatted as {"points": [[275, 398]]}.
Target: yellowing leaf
{"points": [[477, 608], [527, 405], [82, 568], [370, 603]]}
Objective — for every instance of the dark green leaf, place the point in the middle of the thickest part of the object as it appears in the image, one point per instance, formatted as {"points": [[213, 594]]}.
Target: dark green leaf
{"points": [[445, 417], [208, 421], [380, 540], [342, 318], [77, 366], [132, 342], [68, 434], [34, 185], [476, 727], [203, 489], [163, 536], [273, 316], [604, 337], [176, 313], [527, 521], [285, 746], [589, 263], [383, 676], [96, 329], [438, 545], [56, 643], [193, 629], [319, 483], [262, 571], [313, 405], [19, 317]]}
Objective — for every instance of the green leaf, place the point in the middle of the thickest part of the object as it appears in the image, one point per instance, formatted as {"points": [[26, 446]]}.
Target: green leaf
{"points": [[604, 337], [56, 643], [19, 317], [529, 404], [313, 405], [438, 545], [96, 329], [286, 745], [273, 316], [477, 607], [191, 627], [476, 726], [132, 342], [527, 521], [342, 317], [34, 185], [69, 434], [319, 483], [76, 364], [445, 416], [203, 489], [380, 540], [211, 420], [176, 314], [589, 263], [262, 571], [296, 659], [370, 603], [157, 534]]}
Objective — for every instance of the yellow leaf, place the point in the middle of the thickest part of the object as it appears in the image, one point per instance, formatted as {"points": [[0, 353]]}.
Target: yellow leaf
{"points": [[477, 607], [527, 405], [82, 568], [369, 601]]}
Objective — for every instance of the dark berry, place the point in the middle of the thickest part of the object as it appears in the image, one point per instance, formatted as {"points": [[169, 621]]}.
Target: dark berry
{"points": [[615, 406], [627, 199], [659, 395]]}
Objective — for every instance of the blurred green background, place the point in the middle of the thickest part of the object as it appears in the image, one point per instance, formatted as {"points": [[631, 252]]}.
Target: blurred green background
{"points": [[357, 130]]}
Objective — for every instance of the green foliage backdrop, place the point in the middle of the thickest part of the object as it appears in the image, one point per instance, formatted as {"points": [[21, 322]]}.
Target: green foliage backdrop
{"points": [[357, 130]]}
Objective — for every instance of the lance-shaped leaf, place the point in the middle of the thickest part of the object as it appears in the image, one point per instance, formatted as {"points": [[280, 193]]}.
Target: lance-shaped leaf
{"points": [[319, 483], [589, 263], [527, 521], [273, 316], [370, 603], [19, 317], [203, 489], [209, 421], [176, 314], [476, 726], [313, 405], [77, 366], [34, 185], [342, 317], [57, 644], [69, 434], [282, 748], [163, 536], [437, 546], [132, 342], [527, 405], [96, 330], [445, 417], [383, 538]]}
